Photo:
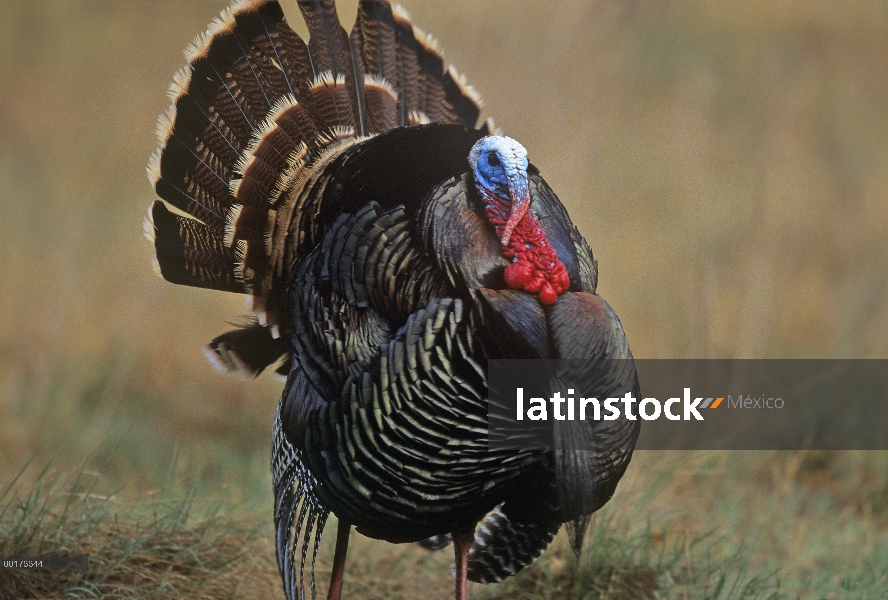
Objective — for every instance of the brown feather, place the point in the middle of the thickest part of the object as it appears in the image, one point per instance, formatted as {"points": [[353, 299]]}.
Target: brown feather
{"points": [[257, 33], [330, 51], [374, 36], [408, 67], [431, 96], [298, 125], [189, 252], [465, 102], [382, 105], [331, 101]]}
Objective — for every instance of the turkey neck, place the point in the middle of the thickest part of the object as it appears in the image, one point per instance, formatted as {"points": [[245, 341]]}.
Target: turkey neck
{"points": [[535, 266]]}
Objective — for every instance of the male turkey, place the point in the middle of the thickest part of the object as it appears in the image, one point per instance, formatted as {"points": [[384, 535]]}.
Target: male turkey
{"points": [[388, 249]]}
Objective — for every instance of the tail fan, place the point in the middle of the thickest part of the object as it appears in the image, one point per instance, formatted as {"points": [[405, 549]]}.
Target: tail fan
{"points": [[256, 113]]}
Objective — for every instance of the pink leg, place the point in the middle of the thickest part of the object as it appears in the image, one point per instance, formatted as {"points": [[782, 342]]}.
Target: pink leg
{"points": [[339, 560], [462, 542]]}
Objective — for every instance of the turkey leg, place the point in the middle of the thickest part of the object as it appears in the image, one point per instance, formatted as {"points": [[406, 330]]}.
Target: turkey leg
{"points": [[462, 542], [339, 560]]}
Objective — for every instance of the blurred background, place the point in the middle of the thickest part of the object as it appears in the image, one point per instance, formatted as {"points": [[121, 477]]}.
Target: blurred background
{"points": [[727, 162]]}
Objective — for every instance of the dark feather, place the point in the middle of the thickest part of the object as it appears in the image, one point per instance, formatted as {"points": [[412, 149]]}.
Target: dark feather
{"points": [[517, 324], [591, 456], [374, 35], [330, 51], [408, 69], [236, 72], [247, 351], [382, 106], [332, 103], [414, 159], [431, 97], [503, 546], [465, 108], [259, 30], [373, 40], [191, 253]]}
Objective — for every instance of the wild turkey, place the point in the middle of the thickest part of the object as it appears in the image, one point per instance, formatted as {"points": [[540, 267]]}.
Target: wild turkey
{"points": [[388, 249]]}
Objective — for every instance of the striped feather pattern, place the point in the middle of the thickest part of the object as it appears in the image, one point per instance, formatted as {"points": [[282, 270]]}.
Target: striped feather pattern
{"points": [[374, 37], [503, 546], [189, 252], [298, 517], [328, 181], [430, 83], [333, 105], [420, 419], [331, 53], [382, 104]]}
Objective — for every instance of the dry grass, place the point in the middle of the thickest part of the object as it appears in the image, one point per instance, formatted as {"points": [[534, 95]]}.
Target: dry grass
{"points": [[162, 546], [726, 163]]}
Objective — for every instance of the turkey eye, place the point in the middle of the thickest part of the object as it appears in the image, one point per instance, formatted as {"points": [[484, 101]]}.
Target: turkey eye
{"points": [[493, 160]]}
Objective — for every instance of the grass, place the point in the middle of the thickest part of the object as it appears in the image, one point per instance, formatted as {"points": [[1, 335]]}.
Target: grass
{"points": [[167, 515], [725, 164], [727, 525], [181, 542], [162, 546]]}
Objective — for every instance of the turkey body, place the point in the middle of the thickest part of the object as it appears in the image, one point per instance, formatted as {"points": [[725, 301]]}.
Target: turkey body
{"points": [[329, 182]]}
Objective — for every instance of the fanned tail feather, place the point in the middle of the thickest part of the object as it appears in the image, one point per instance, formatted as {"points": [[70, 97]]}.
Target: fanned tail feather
{"points": [[189, 252], [245, 62], [256, 107], [331, 52]]}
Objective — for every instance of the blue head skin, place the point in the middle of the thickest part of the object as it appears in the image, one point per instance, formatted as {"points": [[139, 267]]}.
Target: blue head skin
{"points": [[499, 165]]}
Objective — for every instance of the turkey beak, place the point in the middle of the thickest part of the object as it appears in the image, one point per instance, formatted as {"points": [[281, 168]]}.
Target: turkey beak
{"points": [[520, 197]]}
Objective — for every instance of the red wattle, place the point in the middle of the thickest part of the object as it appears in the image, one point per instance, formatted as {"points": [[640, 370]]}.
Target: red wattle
{"points": [[518, 274], [548, 295], [537, 270], [535, 285]]}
